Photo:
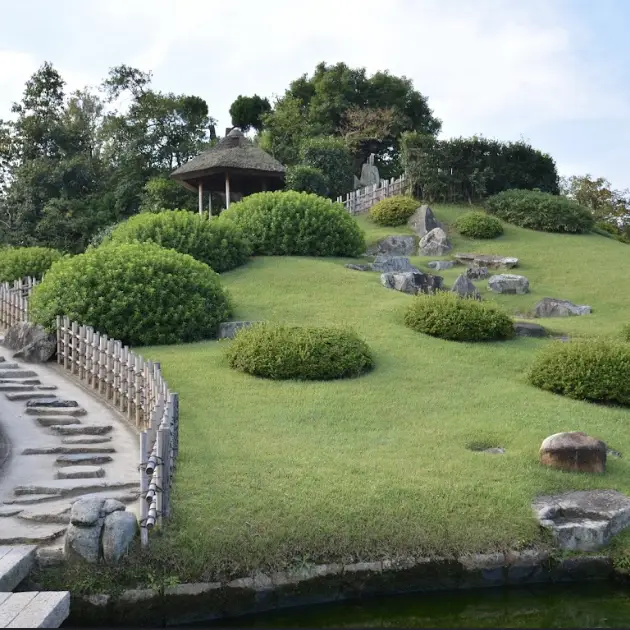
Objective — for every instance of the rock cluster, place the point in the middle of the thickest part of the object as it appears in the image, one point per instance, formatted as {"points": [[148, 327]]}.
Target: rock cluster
{"points": [[31, 343], [412, 282], [392, 263], [394, 246]]}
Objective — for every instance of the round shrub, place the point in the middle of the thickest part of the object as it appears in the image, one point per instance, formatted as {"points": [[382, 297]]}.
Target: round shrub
{"points": [[309, 179], [19, 262], [595, 370], [289, 223], [478, 225], [219, 245], [292, 352], [448, 316], [139, 293], [393, 211], [540, 211]]}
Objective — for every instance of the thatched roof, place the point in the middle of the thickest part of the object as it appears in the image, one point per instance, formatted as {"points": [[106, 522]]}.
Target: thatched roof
{"points": [[235, 152]]}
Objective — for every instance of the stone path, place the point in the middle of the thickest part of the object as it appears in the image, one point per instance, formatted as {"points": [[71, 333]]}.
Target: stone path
{"points": [[64, 444]]}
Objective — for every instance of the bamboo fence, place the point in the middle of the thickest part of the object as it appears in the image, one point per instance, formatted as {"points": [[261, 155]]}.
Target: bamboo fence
{"points": [[361, 200]]}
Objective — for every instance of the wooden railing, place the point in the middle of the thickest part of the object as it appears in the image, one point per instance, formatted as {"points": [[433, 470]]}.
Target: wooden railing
{"points": [[361, 200], [14, 301]]}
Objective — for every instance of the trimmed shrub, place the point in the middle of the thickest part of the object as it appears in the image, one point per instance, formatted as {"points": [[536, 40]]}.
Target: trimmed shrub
{"points": [[448, 316], [139, 293], [540, 211], [593, 369], [293, 352], [19, 262], [478, 225], [333, 158], [393, 211], [289, 223], [219, 245], [308, 179]]}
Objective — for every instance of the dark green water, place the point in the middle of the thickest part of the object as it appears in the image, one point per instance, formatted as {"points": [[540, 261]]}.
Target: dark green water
{"points": [[598, 605]]}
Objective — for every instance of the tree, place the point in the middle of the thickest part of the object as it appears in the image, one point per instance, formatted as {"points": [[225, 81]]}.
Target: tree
{"points": [[607, 205], [248, 111], [333, 159]]}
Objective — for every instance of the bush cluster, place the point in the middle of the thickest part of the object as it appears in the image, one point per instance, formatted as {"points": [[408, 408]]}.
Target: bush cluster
{"points": [[19, 262], [540, 211], [299, 353], [448, 316], [611, 231], [139, 293], [308, 179], [220, 245], [289, 223], [594, 369], [393, 211], [478, 225], [332, 157]]}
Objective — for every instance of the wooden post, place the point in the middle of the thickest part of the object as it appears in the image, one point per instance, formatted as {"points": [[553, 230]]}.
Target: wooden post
{"points": [[200, 197], [144, 486], [210, 205], [264, 185], [227, 191]]}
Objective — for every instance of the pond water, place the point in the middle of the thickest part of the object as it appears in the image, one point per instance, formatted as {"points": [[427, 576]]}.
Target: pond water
{"points": [[596, 605]]}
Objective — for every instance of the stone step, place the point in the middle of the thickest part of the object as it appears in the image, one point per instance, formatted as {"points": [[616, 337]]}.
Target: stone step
{"points": [[67, 450], [55, 411], [27, 395], [9, 366], [80, 472], [16, 387], [47, 387], [87, 439], [2, 359], [92, 459], [17, 374], [83, 429], [56, 421], [16, 563], [71, 487], [19, 532], [52, 401], [21, 381], [29, 499], [9, 510], [38, 609]]}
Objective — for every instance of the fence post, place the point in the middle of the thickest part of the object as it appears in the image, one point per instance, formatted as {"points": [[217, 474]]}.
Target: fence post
{"points": [[160, 439], [144, 486]]}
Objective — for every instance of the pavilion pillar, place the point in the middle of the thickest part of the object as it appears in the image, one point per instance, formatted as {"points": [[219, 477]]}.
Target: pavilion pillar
{"points": [[200, 197], [227, 190], [264, 185], [210, 204]]}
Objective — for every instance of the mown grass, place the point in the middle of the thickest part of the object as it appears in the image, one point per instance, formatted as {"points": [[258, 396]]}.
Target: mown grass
{"points": [[272, 474]]}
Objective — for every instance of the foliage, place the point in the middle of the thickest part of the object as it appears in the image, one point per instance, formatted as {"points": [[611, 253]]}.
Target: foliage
{"points": [[303, 178], [471, 169], [19, 262], [162, 193], [448, 316], [292, 352], [393, 211], [138, 293], [611, 230], [220, 245], [247, 112], [625, 332], [591, 369], [333, 158], [540, 211], [288, 223], [478, 225]]}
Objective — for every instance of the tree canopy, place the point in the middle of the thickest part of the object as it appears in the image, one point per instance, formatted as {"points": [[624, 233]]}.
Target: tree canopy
{"points": [[247, 112]]}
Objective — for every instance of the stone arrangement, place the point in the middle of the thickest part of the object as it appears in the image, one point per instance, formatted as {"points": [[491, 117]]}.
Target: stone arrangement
{"points": [[412, 282], [393, 263], [485, 260]]}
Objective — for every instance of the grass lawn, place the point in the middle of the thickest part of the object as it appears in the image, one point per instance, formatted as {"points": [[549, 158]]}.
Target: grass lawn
{"points": [[278, 473]]}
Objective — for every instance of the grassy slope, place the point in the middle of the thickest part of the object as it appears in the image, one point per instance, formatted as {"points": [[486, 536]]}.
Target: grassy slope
{"points": [[277, 472]]}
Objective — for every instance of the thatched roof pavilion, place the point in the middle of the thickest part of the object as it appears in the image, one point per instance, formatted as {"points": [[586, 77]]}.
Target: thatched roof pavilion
{"points": [[234, 165]]}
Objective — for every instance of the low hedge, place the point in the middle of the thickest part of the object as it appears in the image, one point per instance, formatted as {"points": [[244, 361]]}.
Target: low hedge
{"points": [[18, 262], [448, 316], [393, 211], [308, 179], [594, 369], [478, 225], [299, 353]]}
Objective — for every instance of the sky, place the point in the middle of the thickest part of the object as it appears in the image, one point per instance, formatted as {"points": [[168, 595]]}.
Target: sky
{"points": [[555, 73]]}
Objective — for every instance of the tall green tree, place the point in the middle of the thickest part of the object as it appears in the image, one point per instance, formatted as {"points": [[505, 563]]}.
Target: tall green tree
{"points": [[247, 112]]}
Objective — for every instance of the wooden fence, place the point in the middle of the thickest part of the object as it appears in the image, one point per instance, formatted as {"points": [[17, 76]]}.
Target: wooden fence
{"points": [[127, 381], [361, 200]]}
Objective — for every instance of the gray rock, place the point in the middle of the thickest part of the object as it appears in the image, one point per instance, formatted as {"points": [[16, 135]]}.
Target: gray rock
{"points": [[119, 530], [434, 243], [112, 505], [395, 245], [465, 288], [527, 329], [440, 265], [31, 342], [358, 267], [508, 283], [83, 543], [552, 307], [422, 221], [392, 263], [412, 282], [574, 451], [51, 401], [227, 330], [477, 273], [86, 511], [584, 520], [487, 260]]}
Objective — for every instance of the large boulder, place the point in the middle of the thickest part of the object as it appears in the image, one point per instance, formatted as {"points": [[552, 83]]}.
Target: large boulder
{"points": [[552, 307], [477, 273], [83, 543], [31, 342], [465, 288], [434, 243], [574, 451], [412, 282], [119, 530], [422, 221], [529, 329], [487, 260], [394, 245], [508, 283], [392, 263]]}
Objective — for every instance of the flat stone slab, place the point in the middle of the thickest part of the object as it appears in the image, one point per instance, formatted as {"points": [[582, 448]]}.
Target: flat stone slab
{"points": [[16, 563], [69, 487], [14, 532], [9, 510], [27, 395], [67, 450], [45, 609], [17, 374], [16, 387], [83, 429], [93, 459], [584, 520], [50, 512], [87, 439], [29, 499], [9, 366], [52, 401], [20, 381], [487, 260], [52, 421], [45, 500], [55, 411], [46, 387], [80, 472], [527, 329], [553, 307]]}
